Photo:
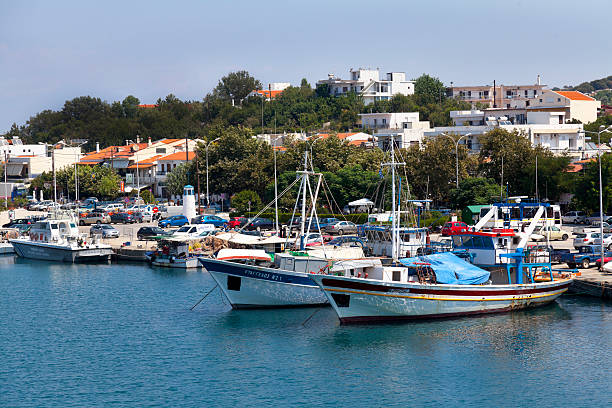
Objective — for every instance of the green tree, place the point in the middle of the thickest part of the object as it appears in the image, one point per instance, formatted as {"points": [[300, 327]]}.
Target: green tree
{"points": [[474, 191], [246, 200], [586, 187], [147, 197], [429, 89], [236, 86], [130, 106], [179, 177]]}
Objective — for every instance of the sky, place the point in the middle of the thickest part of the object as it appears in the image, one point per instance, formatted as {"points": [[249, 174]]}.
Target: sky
{"points": [[53, 51]]}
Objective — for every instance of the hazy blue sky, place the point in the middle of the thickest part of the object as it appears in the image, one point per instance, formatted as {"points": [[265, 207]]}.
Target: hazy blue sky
{"points": [[51, 51]]}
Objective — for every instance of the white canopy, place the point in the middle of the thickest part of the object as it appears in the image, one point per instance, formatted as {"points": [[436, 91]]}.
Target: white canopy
{"points": [[360, 203]]}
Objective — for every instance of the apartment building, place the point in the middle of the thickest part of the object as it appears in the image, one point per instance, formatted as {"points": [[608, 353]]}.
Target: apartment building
{"points": [[368, 84], [548, 129], [144, 165], [574, 104], [273, 90], [498, 96], [404, 128]]}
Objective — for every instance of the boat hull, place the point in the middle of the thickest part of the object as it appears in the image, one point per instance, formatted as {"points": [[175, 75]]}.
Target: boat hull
{"points": [[248, 286], [361, 300], [177, 263], [49, 252]]}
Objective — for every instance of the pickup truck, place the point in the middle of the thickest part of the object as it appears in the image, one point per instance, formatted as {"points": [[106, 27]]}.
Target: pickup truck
{"points": [[584, 257]]}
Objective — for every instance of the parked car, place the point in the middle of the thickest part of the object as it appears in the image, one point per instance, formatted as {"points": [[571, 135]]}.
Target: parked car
{"points": [[107, 231], [574, 217], [553, 233], [311, 239], [210, 219], [584, 257], [346, 241], [341, 228], [324, 222], [146, 233], [260, 224], [16, 222], [585, 238], [122, 218], [453, 228], [237, 222], [607, 228], [193, 231], [173, 221], [607, 241], [94, 218], [596, 218]]}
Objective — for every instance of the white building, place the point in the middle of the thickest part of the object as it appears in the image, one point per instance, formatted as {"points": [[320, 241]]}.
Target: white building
{"points": [[368, 84], [273, 90], [25, 162], [547, 129], [404, 128], [576, 105]]}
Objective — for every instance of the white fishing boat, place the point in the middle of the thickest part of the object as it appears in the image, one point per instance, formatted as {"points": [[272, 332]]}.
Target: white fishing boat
{"points": [[58, 239], [284, 281], [440, 285]]}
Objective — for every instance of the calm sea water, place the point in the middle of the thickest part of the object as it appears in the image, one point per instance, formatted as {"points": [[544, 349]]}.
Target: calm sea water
{"points": [[123, 335]]}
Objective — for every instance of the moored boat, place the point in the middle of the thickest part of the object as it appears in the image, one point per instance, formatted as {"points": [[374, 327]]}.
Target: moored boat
{"points": [[58, 239], [438, 285]]}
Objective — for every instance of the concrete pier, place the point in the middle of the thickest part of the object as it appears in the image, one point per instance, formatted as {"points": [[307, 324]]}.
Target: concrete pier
{"points": [[593, 283]]}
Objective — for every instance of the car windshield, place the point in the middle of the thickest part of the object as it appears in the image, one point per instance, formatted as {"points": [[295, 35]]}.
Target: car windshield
{"points": [[183, 229], [108, 227]]}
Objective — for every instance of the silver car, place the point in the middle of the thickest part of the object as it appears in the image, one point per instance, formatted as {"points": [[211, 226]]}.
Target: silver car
{"points": [[341, 228], [107, 231]]}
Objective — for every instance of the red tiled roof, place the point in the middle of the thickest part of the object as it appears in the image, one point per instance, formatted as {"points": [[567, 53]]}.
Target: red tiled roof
{"points": [[578, 165], [575, 95], [168, 141], [148, 106], [177, 156], [266, 93], [345, 135]]}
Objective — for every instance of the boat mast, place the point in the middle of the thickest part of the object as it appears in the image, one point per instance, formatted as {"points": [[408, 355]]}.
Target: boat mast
{"points": [[395, 233], [304, 186]]}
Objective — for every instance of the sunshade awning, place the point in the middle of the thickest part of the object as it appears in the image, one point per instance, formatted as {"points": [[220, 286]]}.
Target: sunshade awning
{"points": [[360, 203], [14, 169]]}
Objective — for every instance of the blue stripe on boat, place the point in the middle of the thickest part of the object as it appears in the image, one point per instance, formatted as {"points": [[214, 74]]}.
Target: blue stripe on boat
{"points": [[255, 273]]}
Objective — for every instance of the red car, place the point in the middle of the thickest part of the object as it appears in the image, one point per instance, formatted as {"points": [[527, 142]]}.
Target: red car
{"points": [[453, 228], [237, 222]]}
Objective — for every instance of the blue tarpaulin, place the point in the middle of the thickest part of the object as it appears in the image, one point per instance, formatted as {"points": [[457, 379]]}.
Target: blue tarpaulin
{"points": [[449, 268]]}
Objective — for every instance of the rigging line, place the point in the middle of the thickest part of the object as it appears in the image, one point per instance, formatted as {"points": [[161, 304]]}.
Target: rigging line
{"points": [[335, 202], [200, 301], [269, 204]]}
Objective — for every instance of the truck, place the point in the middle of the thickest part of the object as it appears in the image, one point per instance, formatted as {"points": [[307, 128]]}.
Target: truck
{"points": [[585, 256]]}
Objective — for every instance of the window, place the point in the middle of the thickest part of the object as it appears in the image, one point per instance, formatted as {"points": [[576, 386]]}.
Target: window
{"points": [[558, 99], [397, 276], [344, 89]]}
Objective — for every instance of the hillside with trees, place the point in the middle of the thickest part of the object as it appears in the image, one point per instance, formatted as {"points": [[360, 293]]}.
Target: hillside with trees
{"points": [[297, 109]]}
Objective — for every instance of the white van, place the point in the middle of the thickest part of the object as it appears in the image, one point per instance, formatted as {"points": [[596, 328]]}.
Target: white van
{"points": [[194, 231]]}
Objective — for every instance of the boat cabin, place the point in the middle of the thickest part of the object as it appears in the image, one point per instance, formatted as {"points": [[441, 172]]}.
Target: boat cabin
{"points": [[379, 240], [485, 247], [54, 230]]}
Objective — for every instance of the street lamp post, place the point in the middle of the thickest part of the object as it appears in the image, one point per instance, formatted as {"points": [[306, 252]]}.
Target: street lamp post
{"points": [[602, 129], [206, 148], [273, 141], [456, 142]]}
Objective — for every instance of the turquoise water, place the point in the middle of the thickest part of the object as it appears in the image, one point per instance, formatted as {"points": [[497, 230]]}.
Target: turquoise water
{"points": [[123, 335]]}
